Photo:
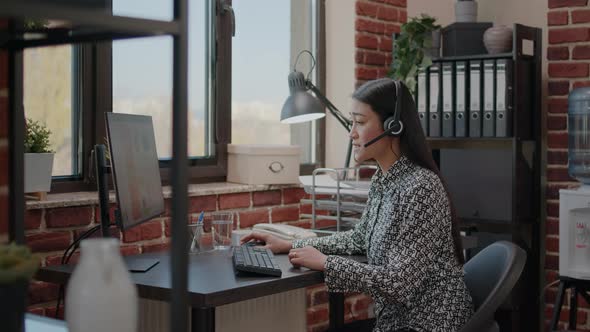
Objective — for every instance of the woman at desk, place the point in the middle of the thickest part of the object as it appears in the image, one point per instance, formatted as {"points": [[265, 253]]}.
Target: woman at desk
{"points": [[408, 230]]}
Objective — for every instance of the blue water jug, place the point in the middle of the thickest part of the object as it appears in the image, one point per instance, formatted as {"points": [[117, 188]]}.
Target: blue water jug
{"points": [[578, 123]]}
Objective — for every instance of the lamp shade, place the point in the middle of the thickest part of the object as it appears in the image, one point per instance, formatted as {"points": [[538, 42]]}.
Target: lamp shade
{"points": [[300, 106]]}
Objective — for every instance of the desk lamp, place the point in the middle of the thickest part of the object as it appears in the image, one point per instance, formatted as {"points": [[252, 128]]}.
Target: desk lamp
{"points": [[302, 106]]}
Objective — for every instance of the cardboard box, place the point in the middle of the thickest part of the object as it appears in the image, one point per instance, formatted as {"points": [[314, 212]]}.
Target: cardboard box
{"points": [[263, 164]]}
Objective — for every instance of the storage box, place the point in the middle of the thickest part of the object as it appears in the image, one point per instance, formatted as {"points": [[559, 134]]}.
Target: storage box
{"points": [[464, 38], [263, 164]]}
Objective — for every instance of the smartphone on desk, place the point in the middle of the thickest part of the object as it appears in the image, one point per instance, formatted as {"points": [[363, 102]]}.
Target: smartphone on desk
{"points": [[286, 232]]}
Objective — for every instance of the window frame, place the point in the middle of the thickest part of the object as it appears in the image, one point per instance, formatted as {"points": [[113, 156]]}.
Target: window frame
{"points": [[95, 79], [320, 44]]}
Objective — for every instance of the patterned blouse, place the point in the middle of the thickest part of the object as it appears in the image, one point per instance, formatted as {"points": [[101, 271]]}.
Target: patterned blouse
{"points": [[412, 273]]}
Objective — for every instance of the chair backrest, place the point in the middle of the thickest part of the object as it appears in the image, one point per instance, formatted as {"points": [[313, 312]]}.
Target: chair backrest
{"points": [[490, 276]]}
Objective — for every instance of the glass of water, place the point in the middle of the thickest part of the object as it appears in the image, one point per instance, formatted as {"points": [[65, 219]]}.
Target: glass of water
{"points": [[222, 224], [200, 235]]}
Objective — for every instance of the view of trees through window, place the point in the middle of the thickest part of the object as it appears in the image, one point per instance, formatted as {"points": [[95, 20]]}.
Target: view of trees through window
{"points": [[142, 74], [47, 98]]}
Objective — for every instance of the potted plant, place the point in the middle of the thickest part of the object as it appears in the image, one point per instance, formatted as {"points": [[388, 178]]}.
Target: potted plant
{"points": [[38, 158], [17, 267], [415, 46], [466, 11]]}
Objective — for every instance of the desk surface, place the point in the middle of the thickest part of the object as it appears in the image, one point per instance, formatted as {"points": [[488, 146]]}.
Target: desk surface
{"points": [[212, 280]]}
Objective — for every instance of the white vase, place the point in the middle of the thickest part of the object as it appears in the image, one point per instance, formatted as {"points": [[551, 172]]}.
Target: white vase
{"points": [[466, 11], [498, 39], [100, 294]]}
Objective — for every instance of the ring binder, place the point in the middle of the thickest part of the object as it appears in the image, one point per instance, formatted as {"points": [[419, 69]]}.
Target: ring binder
{"points": [[434, 129], [503, 98], [422, 93], [448, 93], [461, 100], [489, 116], [475, 98]]}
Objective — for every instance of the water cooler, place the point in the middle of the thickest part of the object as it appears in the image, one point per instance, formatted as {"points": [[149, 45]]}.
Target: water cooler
{"points": [[574, 204]]}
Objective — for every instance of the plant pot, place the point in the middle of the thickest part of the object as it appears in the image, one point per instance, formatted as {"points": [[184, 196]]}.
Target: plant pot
{"points": [[13, 305], [38, 168], [466, 11], [498, 39]]}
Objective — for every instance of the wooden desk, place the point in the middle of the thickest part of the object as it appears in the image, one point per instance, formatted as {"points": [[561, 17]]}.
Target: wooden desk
{"points": [[213, 282]]}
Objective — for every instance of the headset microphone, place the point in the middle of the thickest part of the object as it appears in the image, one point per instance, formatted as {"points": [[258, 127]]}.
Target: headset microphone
{"points": [[385, 133], [393, 126]]}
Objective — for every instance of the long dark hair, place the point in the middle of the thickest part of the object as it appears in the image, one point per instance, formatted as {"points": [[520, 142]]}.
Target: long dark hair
{"points": [[381, 95]]}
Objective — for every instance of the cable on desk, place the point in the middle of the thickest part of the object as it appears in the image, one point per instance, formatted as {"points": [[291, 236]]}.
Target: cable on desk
{"points": [[65, 259]]}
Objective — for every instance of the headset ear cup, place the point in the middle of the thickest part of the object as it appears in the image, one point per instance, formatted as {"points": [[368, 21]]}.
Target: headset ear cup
{"points": [[392, 127]]}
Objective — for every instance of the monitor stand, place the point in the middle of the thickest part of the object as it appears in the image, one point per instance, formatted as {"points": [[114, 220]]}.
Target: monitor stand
{"points": [[139, 264]]}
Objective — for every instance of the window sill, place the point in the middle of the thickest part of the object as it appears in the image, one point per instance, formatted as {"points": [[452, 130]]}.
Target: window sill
{"points": [[91, 197]]}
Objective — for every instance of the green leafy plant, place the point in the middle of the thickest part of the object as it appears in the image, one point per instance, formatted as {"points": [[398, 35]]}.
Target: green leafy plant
{"points": [[17, 263], [30, 25], [37, 138], [409, 49]]}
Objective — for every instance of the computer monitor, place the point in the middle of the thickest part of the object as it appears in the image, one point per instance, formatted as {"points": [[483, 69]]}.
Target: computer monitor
{"points": [[135, 168]]}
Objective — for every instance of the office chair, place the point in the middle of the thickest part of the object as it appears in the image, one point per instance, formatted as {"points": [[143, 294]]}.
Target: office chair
{"points": [[490, 276]]}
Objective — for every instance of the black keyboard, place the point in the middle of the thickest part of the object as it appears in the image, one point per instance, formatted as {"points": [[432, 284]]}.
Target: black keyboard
{"points": [[249, 258]]}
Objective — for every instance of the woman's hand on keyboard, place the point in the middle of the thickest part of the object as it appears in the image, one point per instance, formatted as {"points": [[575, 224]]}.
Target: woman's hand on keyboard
{"points": [[308, 257], [276, 245]]}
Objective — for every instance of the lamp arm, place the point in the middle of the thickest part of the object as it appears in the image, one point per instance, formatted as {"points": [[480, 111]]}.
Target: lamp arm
{"points": [[335, 112]]}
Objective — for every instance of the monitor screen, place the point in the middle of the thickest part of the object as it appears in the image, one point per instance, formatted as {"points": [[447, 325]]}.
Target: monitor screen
{"points": [[135, 168]]}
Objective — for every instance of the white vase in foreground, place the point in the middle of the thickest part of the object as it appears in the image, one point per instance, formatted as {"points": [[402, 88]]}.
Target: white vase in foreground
{"points": [[100, 295]]}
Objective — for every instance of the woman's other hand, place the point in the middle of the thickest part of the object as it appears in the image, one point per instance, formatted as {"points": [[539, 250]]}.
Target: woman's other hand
{"points": [[308, 257], [275, 244]]}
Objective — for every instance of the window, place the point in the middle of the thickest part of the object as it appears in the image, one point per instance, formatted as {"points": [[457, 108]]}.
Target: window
{"points": [[47, 98], [71, 87], [142, 76], [269, 36]]}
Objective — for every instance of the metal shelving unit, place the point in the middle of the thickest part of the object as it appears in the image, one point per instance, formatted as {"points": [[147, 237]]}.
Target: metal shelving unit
{"points": [[522, 151], [344, 196], [89, 24]]}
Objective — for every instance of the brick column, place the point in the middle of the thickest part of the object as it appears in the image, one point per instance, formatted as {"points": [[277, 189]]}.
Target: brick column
{"points": [[4, 162], [376, 22], [568, 57]]}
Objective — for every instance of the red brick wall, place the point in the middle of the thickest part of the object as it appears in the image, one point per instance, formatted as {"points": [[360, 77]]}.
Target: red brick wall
{"points": [[376, 21], [568, 57], [3, 139]]}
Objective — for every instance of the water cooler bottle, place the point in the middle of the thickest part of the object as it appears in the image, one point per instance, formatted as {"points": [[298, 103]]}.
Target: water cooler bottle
{"points": [[574, 204]]}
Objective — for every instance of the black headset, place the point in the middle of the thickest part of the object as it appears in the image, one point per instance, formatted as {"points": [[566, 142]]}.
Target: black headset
{"points": [[392, 126]]}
